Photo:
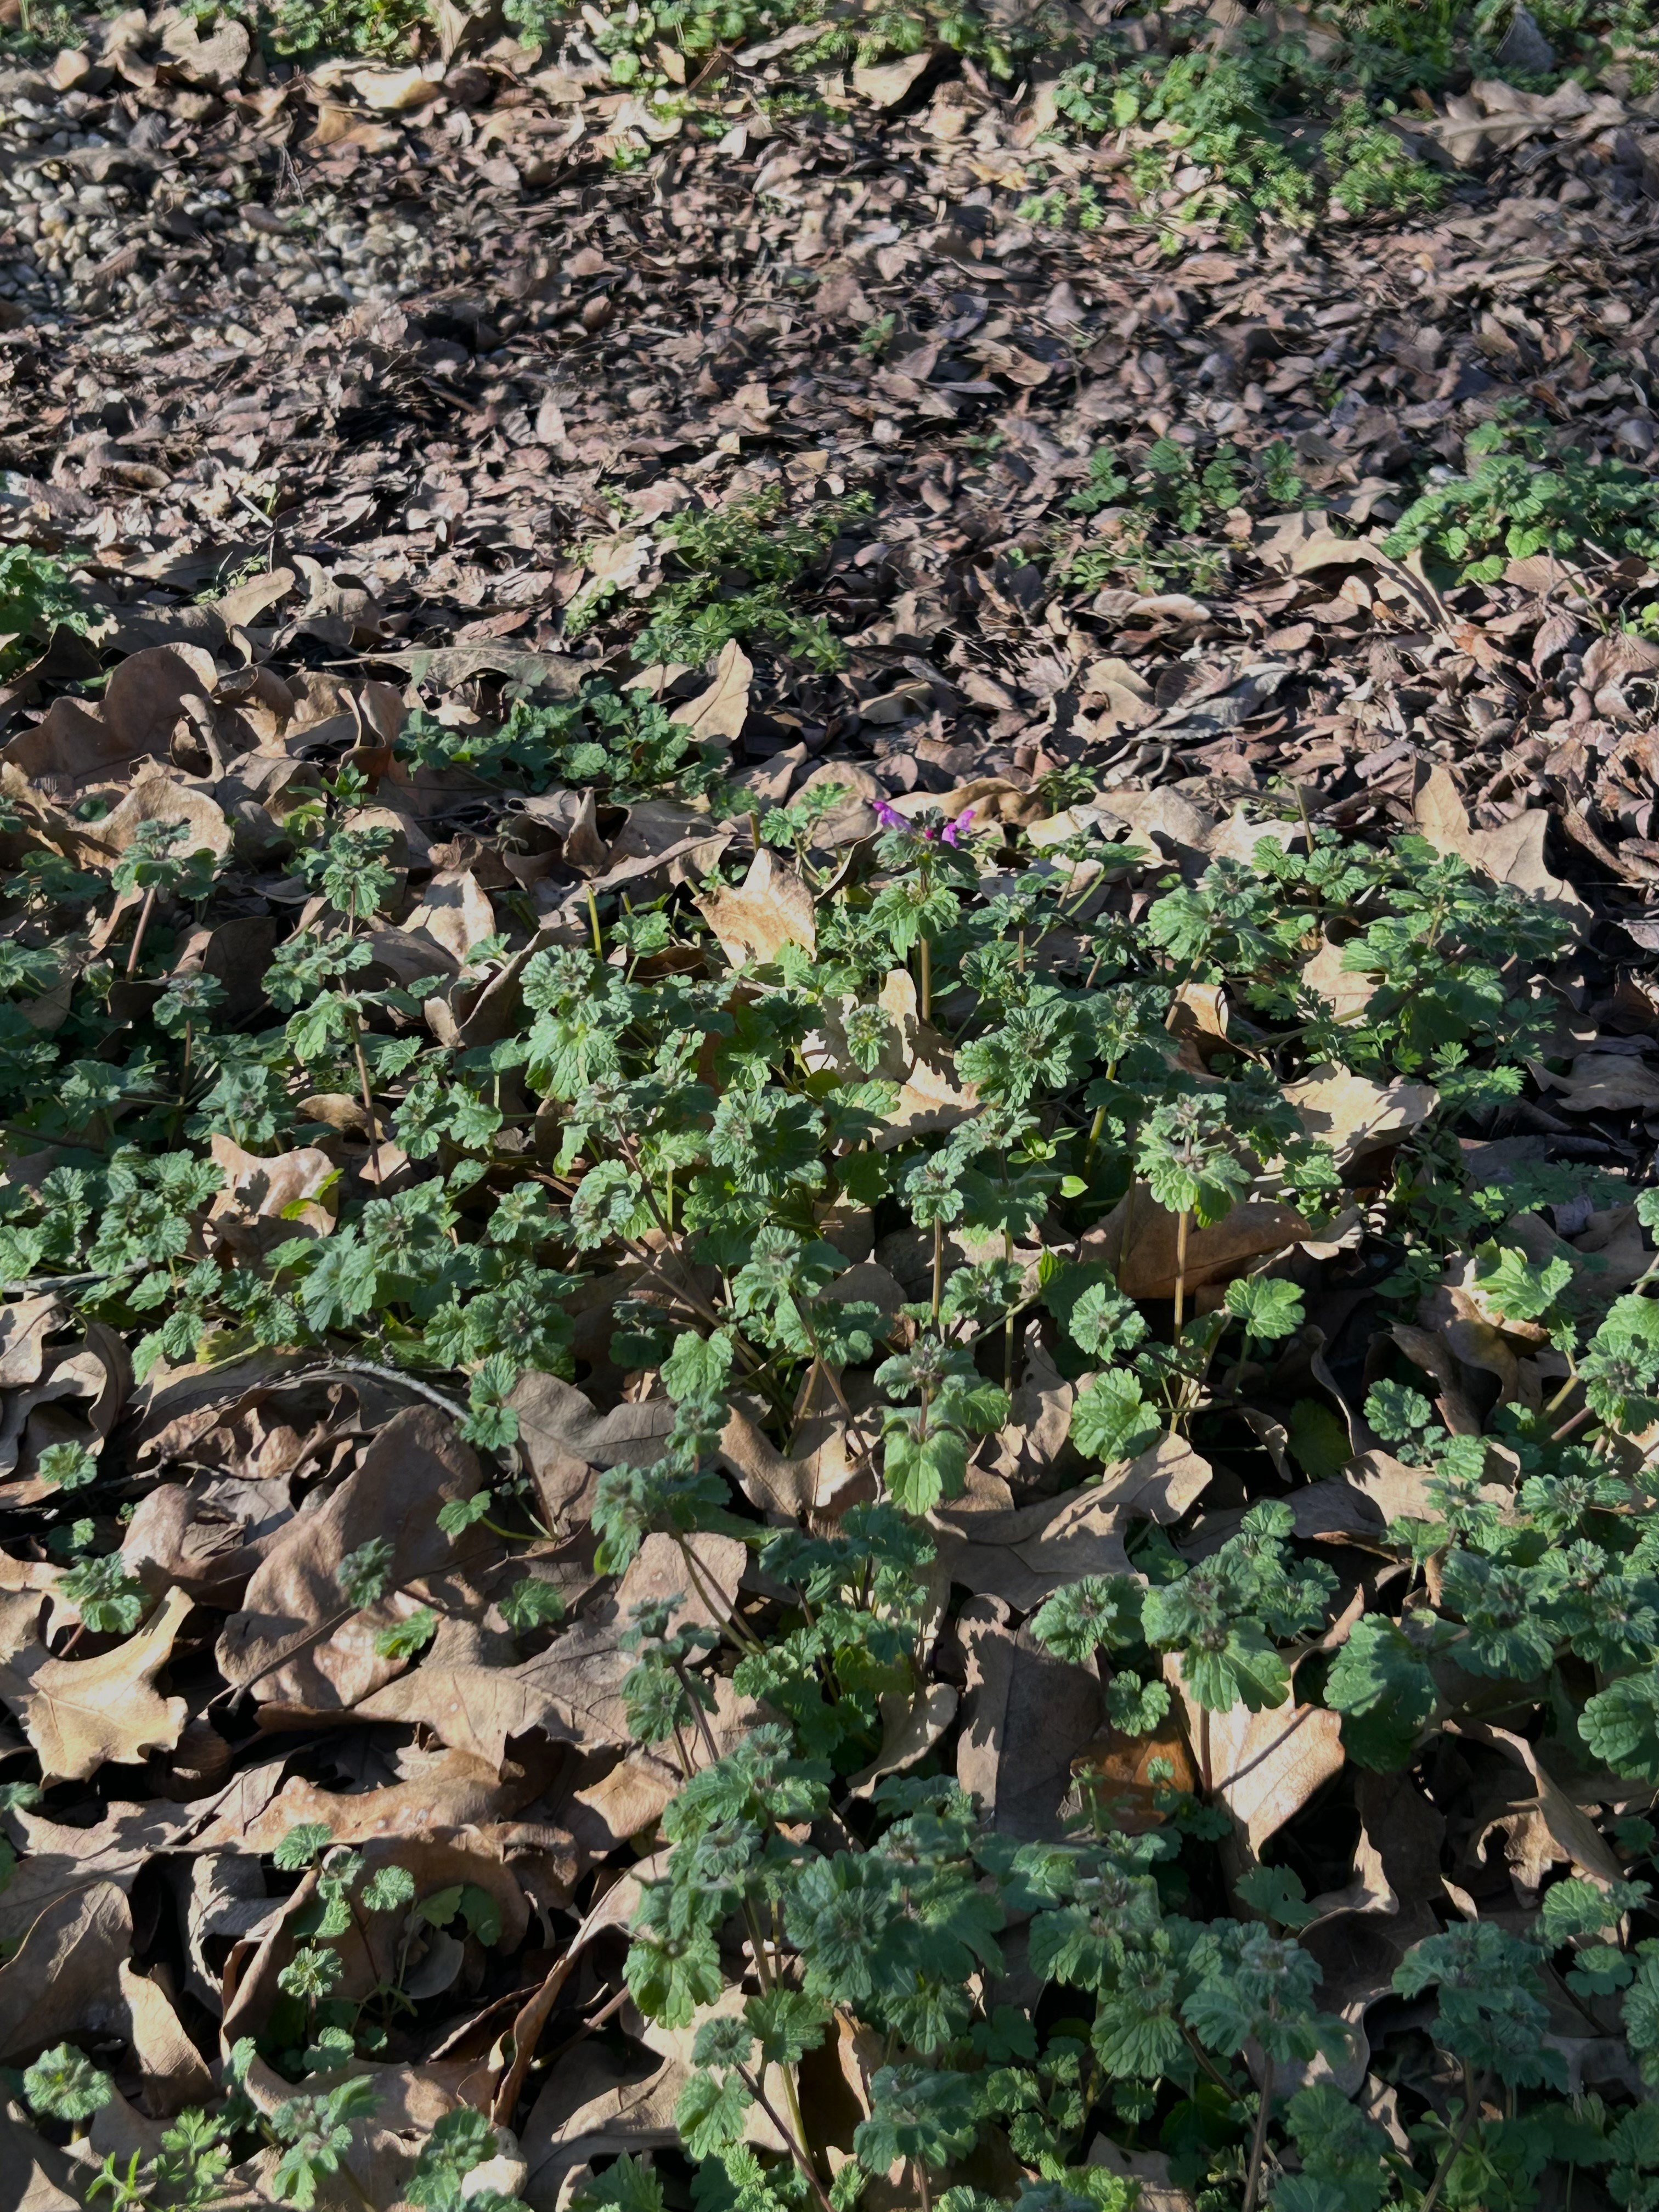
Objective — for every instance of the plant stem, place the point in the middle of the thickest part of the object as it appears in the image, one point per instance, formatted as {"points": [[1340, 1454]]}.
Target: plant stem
{"points": [[719, 1614], [920, 2172], [593, 924], [792, 2099], [697, 1713], [362, 1078], [1095, 1128], [144, 913], [939, 1268], [1472, 2105], [1258, 2140], [1008, 1324], [763, 1974], [1182, 1223], [927, 952], [754, 2083], [1565, 1387]]}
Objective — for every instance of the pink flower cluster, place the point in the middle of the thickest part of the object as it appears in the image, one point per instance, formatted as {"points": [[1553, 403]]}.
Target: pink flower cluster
{"points": [[890, 819]]}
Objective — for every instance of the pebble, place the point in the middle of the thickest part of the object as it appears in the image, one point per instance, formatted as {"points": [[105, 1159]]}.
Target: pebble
{"points": [[335, 253]]}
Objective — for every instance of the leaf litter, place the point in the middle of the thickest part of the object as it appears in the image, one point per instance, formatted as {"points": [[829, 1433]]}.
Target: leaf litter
{"points": [[828, 943]]}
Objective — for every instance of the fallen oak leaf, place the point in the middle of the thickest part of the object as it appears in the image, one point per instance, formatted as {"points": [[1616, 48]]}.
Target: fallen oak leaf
{"points": [[56, 1860], [721, 710], [63, 1978], [300, 1643], [1261, 1767], [755, 919], [1138, 1240], [1511, 854], [80, 1713], [143, 701], [1354, 1116]]}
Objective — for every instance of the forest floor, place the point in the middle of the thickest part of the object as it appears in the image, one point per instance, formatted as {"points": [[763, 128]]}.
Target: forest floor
{"points": [[829, 952]]}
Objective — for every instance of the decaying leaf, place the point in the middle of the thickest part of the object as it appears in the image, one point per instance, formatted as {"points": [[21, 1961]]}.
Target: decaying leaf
{"points": [[755, 919], [1026, 1716], [1355, 1116], [1511, 854], [1138, 1240], [79, 1713], [1262, 1766], [720, 711], [298, 1641]]}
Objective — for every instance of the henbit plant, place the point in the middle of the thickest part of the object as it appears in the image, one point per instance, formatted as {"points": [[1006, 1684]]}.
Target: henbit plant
{"points": [[1189, 107], [627, 744], [1371, 170], [157, 864], [1183, 107], [734, 573], [36, 598], [700, 1128], [311, 2136], [1525, 496], [636, 42], [379, 28], [1158, 510]]}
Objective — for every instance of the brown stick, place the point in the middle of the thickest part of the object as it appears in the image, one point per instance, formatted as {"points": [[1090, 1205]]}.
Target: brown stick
{"points": [[144, 913]]}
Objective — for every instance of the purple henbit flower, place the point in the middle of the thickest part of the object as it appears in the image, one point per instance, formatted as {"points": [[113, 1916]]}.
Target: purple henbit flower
{"points": [[888, 817], [954, 829]]}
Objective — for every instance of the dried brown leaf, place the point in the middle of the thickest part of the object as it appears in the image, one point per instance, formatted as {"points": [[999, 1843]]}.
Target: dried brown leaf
{"points": [[755, 919], [79, 1713]]}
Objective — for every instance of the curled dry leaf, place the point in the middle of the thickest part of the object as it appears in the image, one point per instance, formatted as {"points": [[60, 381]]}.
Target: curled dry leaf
{"points": [[885, 83], [98, 1370], [615, 1908], [143, 703], [179, 1536], [1565, 1830], [931, 1097], [266, 1200], [45, 2179], [63, 1978], [369, 1951], [572, 1690], [1262, 1766], [1025, 1555], [24, 1325], [1039, 1423], [454, 912], [821, 1480], [56, 1861], [599, 2103], [161, 799], [1355, 1116], [910, 1727], [1163, 1484], [1344, 990], [453, 1789], [1122, 1779], [1512, 853]]}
